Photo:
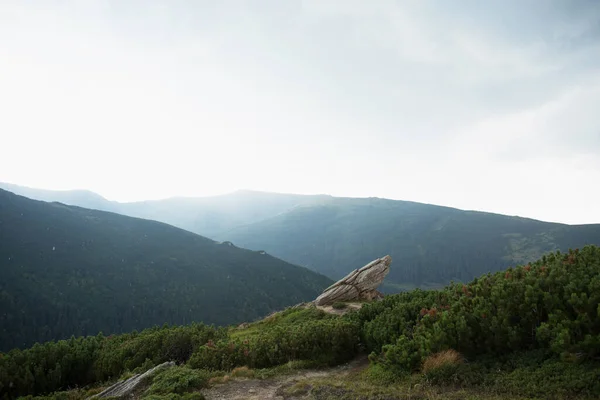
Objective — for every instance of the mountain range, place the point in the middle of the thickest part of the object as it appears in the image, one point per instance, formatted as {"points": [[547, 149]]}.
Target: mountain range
{"points": [[66, 270], [430, 245]]}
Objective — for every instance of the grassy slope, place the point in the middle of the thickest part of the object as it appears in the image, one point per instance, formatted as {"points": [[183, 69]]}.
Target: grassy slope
{"points": [[529, 332], [67, 270]]}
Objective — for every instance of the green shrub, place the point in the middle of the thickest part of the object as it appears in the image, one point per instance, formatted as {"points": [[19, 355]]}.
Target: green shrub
{"points": [[339, 305], [77, 362], [530, 374], [327, 341], [381, 375], [178, 380], [550, 304], [533, 330]]}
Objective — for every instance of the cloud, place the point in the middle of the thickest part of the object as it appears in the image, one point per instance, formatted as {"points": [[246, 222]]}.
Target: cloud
{"points": [[452, 103]]}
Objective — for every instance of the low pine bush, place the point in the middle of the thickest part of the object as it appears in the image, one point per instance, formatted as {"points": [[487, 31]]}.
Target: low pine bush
{"points": [[178, 380]]}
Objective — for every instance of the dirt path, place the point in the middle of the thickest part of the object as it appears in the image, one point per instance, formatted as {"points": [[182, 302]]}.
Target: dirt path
{"points": [[274, 388]]}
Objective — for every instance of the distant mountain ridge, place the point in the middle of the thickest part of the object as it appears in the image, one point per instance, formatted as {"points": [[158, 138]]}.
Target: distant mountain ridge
{"points": [[207, 216], [66, 270], [431, 245], [81, 198]]}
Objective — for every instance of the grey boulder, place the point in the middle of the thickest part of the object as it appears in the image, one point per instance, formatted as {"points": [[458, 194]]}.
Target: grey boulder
{"points": [[360, 284]]}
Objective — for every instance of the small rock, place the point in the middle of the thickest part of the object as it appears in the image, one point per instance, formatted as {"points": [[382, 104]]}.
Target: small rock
{"points": [[126, 387]]}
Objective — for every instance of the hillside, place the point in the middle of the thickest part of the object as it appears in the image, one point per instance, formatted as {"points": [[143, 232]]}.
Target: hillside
{"points": [[529, 332], [207, 216], [81, 198], [72, 271], [431, 245]]}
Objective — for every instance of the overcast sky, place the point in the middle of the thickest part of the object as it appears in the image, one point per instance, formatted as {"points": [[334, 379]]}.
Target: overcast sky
{"points": [[485, 105]]}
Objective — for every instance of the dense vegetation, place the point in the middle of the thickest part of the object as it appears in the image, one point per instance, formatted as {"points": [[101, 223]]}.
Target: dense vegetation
{"points": [[47, 367], [532, 330], [71, 271], [296, 334], [553, 304], [430, 245]]}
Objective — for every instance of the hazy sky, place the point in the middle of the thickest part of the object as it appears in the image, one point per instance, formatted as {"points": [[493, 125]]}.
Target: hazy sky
{"points": [[486, 105]]}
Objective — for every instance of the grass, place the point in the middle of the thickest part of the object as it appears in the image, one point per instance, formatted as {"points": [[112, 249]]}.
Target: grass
{"points": [[288, 316], [242, 372], [527, 375], [178, 380], [73, 394], [288, 368], [219, 380], [298, 389], [360, 386], [442, 359], [448, 376]]}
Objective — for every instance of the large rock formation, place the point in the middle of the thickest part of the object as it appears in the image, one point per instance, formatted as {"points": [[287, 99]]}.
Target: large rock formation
{"points": [[128, 386], [360, 284]]}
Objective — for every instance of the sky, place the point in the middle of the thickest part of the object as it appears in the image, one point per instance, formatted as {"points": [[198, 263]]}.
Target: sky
{"points": [[491, 106]]}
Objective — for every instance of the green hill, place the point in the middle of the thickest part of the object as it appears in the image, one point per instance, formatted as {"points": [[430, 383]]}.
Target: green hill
{"points": [[529, 332], [66, 271], [430, 245]]}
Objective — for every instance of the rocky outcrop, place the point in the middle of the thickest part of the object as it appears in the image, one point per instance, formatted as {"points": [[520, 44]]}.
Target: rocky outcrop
{"points": [[128, 386], [360, 284]]}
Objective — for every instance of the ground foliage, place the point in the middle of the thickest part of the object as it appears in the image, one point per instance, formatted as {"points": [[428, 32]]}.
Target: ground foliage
{"points": [[532, 330], [552, 303]]}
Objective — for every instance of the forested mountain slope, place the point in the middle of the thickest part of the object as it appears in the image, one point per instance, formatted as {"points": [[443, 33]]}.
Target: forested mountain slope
{"points": [[71, 271], [429, 244]]}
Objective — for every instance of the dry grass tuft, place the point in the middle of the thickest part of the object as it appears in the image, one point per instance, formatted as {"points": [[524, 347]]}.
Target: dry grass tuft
{"points": [[239, 372], [218, 380], [442, 359], [242, 372], [298, 389]]}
